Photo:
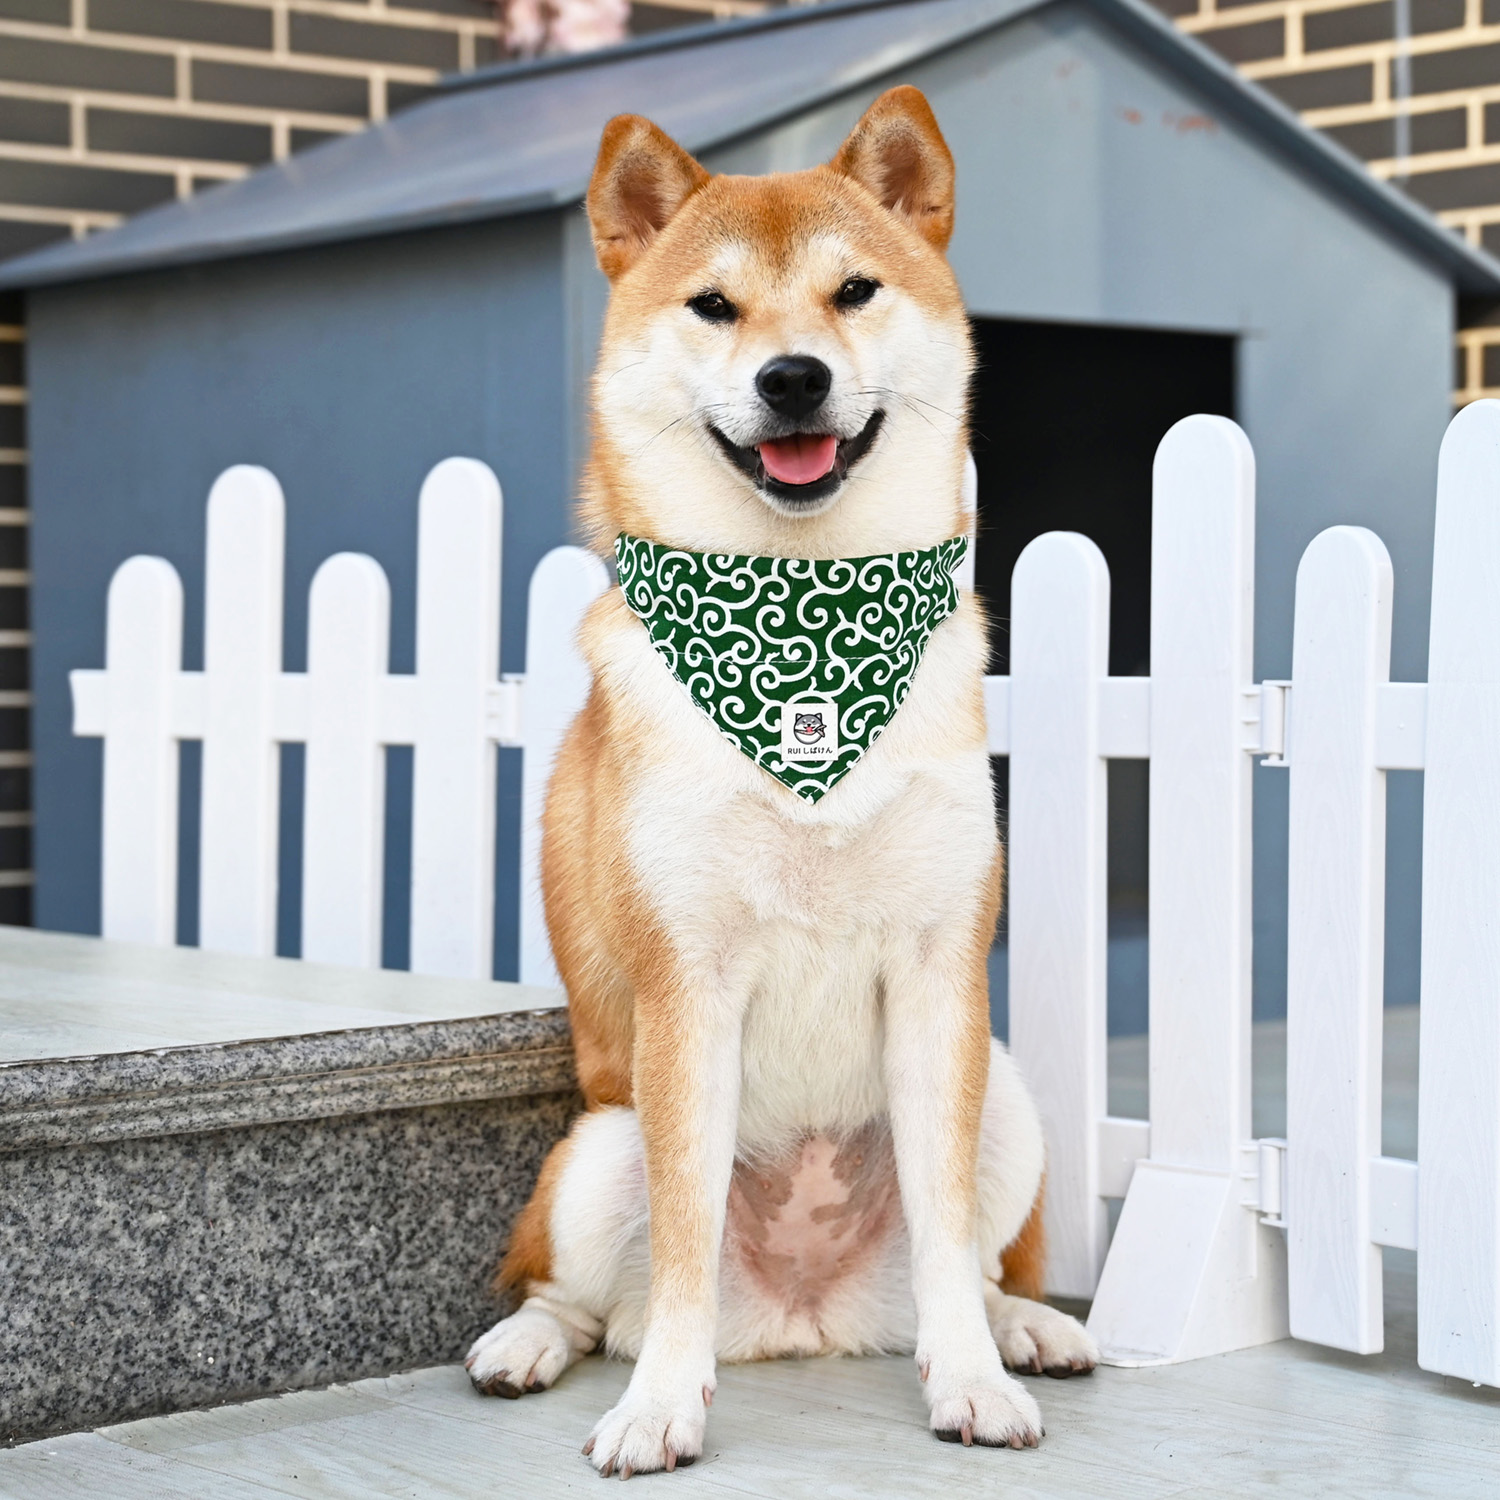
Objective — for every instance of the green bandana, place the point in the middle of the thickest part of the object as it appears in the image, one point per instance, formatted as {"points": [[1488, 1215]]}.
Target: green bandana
{"points": [[800, 663]]}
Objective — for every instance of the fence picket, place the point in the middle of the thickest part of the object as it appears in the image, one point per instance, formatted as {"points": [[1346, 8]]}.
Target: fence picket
{"points": [[1458, 1100], [142, 657], [1341, 653], [1057, 881], [1189, 1272], [241, 664], [348, 651], [566, 582], [453, 772]]}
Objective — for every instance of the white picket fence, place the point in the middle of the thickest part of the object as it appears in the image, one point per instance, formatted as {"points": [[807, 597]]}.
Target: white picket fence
{"points": [[1223, 1241]]}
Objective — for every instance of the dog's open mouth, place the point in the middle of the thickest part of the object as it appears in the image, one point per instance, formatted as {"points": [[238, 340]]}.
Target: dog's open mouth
{"points": [[805, 467]]}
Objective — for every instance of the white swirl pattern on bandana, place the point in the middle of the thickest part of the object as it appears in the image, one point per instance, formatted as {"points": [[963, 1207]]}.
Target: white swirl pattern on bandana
{"points": [[749, 635]]}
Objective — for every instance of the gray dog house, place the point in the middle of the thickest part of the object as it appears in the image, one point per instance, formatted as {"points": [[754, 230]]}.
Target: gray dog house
{"points": [[1140, 234]]}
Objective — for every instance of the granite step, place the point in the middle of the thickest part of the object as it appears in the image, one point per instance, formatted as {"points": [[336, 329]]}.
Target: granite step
{"points": [[224, 1177]]}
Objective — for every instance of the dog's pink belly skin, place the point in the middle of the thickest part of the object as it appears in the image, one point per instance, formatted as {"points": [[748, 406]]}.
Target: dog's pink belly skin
{"points": [[799, 1230]]}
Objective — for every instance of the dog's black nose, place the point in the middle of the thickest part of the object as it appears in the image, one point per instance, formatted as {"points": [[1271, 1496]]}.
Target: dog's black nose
{"points": [[793, 385]]}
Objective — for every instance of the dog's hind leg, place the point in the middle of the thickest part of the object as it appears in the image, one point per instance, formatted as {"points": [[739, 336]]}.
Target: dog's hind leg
{"points": [[579, 1254], [1031, 1336]]}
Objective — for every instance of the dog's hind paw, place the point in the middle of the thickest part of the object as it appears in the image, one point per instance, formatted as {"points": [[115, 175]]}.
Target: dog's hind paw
{"points": [[1039, 1339], [649, 1431], [521, 1354]]}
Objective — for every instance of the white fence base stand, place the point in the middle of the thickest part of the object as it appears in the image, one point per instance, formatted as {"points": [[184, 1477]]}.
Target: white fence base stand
{"points": [[1217, 1273]]}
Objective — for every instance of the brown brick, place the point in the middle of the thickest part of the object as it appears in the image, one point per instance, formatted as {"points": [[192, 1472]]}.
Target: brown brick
{"points": [[1350, 27], [1437, 130], [1490, 365], [69, 65], [1253, 43], [1462, 68], [184, 21], [474, 10], [1325, 88], [1456, 187], [20, 237], [327, 36], [399, 96], [40, 12], [646, 19], [38, 122], [1178, 8], [1491, 12], [1230, 4], [1370, 140], [1460, 367], [305, 140], [1428, 16], [15, 661], [12, 369], [1440, 130], [12, 425], [486, 49], [1491, 123], [281, 88], [13, 476], [178, 135], [1489, 238], [46, 184]]}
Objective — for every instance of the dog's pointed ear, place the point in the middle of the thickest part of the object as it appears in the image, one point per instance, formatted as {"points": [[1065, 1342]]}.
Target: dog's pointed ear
{"points": [[899, 154], [641, 178]]}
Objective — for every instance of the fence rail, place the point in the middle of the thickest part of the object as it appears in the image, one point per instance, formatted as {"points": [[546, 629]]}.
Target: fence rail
{"points": [[1222, 1240]]}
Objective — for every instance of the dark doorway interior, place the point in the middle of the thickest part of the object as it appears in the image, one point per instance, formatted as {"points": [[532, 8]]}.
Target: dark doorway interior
{"points": [[1065, 423]]}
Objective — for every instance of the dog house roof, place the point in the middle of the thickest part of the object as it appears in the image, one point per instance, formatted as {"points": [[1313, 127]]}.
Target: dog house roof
{"points": [[521, 137]]}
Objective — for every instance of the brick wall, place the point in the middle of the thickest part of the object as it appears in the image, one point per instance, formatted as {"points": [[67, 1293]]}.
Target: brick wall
{"points": [[1410, 86]]}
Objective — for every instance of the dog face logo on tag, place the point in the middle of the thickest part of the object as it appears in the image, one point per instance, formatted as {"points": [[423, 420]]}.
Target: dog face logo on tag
{"points": [[810, 730]]}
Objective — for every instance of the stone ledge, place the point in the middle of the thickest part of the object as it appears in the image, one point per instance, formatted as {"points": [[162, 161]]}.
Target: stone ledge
{"points": [[187, 1090]]}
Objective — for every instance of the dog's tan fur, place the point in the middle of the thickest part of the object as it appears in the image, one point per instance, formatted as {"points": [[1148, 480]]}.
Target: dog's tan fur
{"points": [[779, 1007]]}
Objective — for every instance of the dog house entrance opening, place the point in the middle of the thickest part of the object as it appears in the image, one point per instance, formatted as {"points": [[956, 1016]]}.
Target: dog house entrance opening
{"points": [[1065, 420]]}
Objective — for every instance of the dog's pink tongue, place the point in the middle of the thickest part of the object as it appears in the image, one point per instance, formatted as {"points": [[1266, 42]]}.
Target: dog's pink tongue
{"points": [[801, 459]]}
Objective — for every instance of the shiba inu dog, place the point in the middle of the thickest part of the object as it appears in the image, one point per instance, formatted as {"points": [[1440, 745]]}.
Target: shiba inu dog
{"points": [[800, 1137]]}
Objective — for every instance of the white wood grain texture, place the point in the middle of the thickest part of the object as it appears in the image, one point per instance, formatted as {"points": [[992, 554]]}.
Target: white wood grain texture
{"points": [[343, 827], [1458, 1125], [565, 583], [1341, 652], [453, 772], [142, 654], [1202, 600], [1057, 881], [241, 664], [1190, 1271]]}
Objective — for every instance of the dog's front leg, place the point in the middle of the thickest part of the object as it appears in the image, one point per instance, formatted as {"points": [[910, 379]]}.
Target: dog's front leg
{"points": [[937, 1063], [687, 1090]]}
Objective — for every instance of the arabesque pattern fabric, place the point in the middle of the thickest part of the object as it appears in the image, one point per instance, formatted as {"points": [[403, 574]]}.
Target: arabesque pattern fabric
{"points": [[750, 636]]}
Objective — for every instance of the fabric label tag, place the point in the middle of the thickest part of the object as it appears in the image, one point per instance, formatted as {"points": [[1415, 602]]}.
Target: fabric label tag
{"points": [[810, 730]]}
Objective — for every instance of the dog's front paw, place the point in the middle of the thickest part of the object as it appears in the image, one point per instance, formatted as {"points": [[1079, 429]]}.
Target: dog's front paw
{"points": [[650, 1429], [521, 1354], [1040, 1339], [988, 1408]]}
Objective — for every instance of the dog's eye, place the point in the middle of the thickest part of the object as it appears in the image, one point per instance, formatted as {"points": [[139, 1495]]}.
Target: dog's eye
{"points": [[855, 292], [714, 307]]}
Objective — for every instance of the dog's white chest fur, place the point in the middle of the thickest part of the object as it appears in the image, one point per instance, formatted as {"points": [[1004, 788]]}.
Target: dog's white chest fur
{"points": [[793, 911]]}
